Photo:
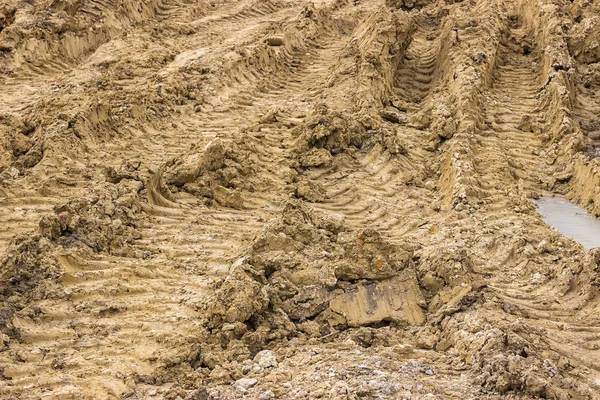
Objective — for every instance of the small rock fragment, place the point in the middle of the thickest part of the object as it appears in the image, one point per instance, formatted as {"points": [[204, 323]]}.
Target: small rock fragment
{"points": [[244, 384], [227, 197], [227, 327], [267, 395], [266, 359], [198, 394], [394, 115]]}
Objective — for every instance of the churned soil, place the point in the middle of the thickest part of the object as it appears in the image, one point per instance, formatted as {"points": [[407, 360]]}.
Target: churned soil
{"points": [[291, 199]]}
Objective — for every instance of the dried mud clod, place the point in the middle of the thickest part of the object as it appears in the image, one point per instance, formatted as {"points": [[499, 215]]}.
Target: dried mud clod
{"points": [[583, 42], [31, 269], [219, 172], [330, 131]]}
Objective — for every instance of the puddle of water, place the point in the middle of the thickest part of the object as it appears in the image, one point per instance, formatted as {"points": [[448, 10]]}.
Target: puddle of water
{"points": [[570, 220]]}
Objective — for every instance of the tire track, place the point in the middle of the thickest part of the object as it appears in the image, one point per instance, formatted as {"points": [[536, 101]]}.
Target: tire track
{"points": [[554, 307], [417, 72], [510, 126], [587, 109], [123, 314]]}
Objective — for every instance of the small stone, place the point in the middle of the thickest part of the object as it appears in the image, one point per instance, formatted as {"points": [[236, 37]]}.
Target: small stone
{"points": [[394, 115], [403, 349], [244, 384], [219, 374], [431, 282], [227, 197], [64, 218], [228, 327], [426, 339], [429, 372], [117, 223], [443, 345], [246, 369], [50, 227], [266, 359], [267, 395], [12, 172], [287, 384], [198, 394]]}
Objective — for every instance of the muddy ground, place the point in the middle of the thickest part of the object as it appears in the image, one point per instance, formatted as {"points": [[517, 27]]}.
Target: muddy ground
{"points": [[288, 199]]}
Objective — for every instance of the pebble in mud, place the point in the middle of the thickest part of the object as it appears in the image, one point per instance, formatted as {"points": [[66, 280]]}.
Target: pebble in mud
{"points": [[244, 384], [267, 395], [392, 114], [266, 359]]}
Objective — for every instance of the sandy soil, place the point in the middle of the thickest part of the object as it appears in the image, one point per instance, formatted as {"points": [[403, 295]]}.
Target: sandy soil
{"points": [[287, 199]]}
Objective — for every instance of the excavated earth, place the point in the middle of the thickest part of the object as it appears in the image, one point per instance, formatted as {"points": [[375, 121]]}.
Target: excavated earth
{"points": [[262, 199]]}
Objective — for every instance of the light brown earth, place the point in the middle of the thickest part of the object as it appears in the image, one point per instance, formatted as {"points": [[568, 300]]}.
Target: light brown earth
{"points": [[287, 199]]}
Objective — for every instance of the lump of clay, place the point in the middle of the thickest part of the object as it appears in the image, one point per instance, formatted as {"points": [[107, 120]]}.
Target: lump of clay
{"points": [[584, 41], [369, 256], [398, 300], [190, 167]]}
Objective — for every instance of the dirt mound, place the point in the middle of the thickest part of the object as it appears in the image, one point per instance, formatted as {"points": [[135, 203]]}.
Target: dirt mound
{"points": [[279, 276], [217, 173]]}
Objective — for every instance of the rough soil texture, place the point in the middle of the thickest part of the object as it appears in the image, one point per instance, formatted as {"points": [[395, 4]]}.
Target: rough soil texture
{"points": [[287, 199]]}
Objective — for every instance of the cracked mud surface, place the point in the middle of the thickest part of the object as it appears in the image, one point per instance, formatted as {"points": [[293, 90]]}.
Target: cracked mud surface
{"points": [[288, 199]]}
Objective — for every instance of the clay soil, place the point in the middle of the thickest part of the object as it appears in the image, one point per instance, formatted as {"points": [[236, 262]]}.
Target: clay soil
{"points": [[282, 199]]}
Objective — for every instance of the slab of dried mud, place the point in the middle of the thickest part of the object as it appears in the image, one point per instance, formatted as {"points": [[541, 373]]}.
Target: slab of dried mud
{"points": [[288, 199]]}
